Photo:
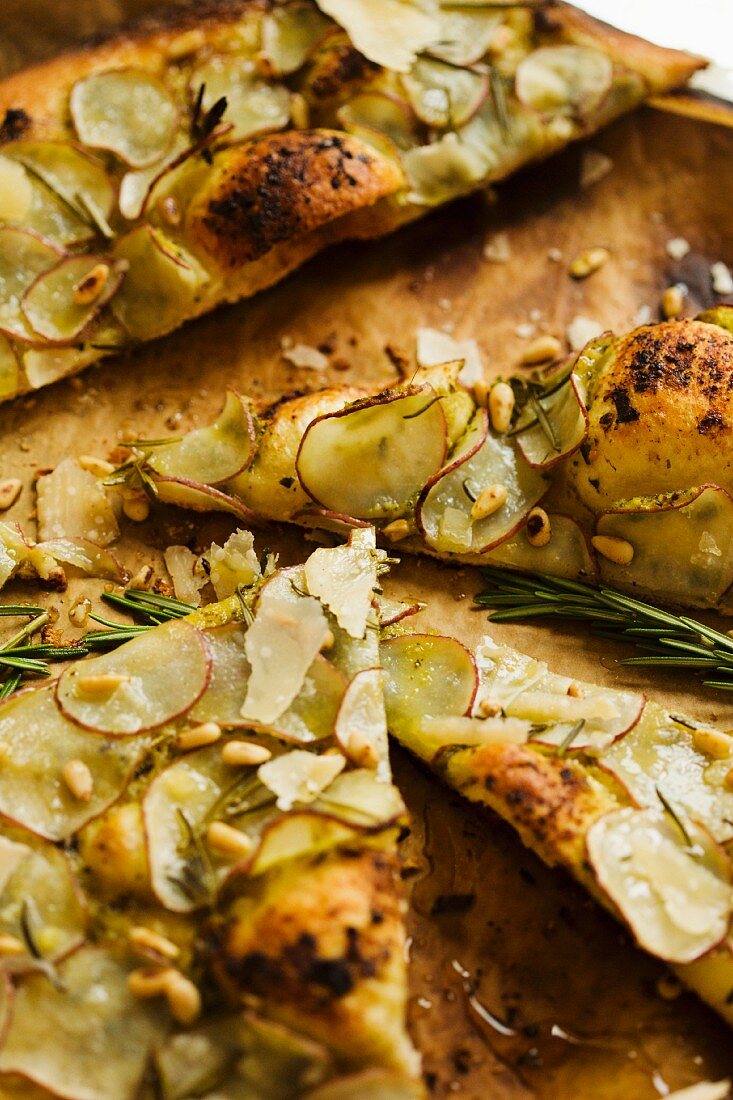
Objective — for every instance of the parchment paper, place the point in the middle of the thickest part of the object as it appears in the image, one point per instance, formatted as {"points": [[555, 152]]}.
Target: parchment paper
{"points": [[520, 986]]}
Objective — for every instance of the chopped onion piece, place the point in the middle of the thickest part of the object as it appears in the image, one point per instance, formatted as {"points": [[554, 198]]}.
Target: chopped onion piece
{"points": [[127, 112], [73, 504]]}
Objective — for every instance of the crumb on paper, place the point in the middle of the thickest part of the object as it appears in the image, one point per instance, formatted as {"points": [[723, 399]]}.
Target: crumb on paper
{"points": [[642, 316], [497, 249], [721, 278], [434, 347], [525, 330], [677, 248], [582, 329], [305, 357], [594, 167], [554, 255]]}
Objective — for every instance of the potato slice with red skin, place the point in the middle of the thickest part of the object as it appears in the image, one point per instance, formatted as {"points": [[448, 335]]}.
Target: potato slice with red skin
{"points": [[68, 172], [9, 368], [568, 79], [568, 553], [213, 454], [40, 742], [197, 497], [426, 676], [482, 459], [668, 879], [50, 305], [253, 106], [74, 1042], [566, 412], [371, 458], [85, 555], [24, 256], [290, 35], [159, 676], [380, 113], [361, 724], [38, 886], [128, 112], [444, 95]]}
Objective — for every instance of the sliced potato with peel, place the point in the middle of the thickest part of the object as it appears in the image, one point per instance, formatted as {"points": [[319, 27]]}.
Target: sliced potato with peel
{"points": [[290, 34], [426, 676], [23, 257], [161, 283], [151, 680], [444, 95], [567, 554], [213, 454], [72, 175], [466, 33], [253, 106], [379, 112], [9, 369], [569, 79], [361, 723], [128, 112], [668, 879], [566, 427], [481, 460], [40, 743], [682, 543], [62, 302], [96, 1050], [444, 169], [372, 457], [40, 897], [198, 497]]}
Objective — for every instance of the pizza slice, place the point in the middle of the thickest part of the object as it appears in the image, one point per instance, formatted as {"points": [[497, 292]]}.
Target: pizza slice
{"points": [[199, 886], [635, 802], [204, 153], [613, 466]]}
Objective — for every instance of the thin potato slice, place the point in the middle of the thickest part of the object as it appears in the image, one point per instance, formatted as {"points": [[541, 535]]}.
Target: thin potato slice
{"points": [[253, 106], [378, 112], [161, 283], [72, 504], [40, 897], [566, 418], [16, 191], [200, 498], [567, 554], [213, 454], [444, 511], [426, 676], [23, 257], [151, 680], [9, 370], [668, 879], [84, 555], [465, 35], [62, 302], [127, 112], [445, 169], [388, 32], [569, 80], [361, 724], [40, 743], [371, 458], [290, 34], [80, 181], [312, 714], [87, 1039], [370, 1084], [444, 96]]}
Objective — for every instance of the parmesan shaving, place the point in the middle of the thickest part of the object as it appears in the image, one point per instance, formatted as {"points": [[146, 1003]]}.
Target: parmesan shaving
{"points": [[435, 347], [305, 357], [73, 504], [300, 776], [233, 564], [344, 578], [390, 33], [188, 579]]}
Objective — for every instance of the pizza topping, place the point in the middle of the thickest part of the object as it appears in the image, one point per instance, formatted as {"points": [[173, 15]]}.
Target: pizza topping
{"points": [[78, 180], [299, 776], [213, 454], [553, 427], [568, 79], [186, 573], [467, 34], [501, 403], [344, 579], [667, 877], [539, 528], [361, 724], [369, 459], [252, 105], [244, 754], [72, 504], [442, 95], [23, 257], [290, 34], [63, 301], [9, 370], [449, 731], [127, 112], [78, 779], [153, 679], [40, 900], [199, 497], [443, 170], [382, 114], [387, 32], [16, 191]]}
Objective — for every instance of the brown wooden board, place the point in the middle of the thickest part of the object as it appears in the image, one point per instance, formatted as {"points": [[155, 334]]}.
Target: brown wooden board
{"points": [[520, 986]]}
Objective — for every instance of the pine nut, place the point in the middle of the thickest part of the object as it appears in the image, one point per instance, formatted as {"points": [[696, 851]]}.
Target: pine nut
{"points": [[10, 490], [397, 530], [11, 945], [97, 466], [588, 262], [616, 550], [481, 391], [244, 754], [78, 779], [488, 708], [542, 350], [136, 507], [197, 737], [362, 751], [88, 289], [184, 999], [149, 981], [329, 641], [669, 988], [170, 210], [673, 302], [228, 840], [79, 610], [501, 406], [299, 111], [146, 940], [489, 500], [143, 578], [102, 684], [713, 743], [539, 528], [575, 691]]}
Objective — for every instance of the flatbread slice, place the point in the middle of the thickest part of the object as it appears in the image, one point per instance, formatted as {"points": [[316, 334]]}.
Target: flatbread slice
{"points": [[633, 801], [198, 871], [204, 153]]}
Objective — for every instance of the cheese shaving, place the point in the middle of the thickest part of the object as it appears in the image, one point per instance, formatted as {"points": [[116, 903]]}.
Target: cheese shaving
{"points": [[390, 33], [435, 347], [300, 776], [344, 578]]}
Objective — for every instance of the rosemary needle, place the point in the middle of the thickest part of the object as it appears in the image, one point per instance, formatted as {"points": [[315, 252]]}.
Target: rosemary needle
{"points": [[669, 640]]}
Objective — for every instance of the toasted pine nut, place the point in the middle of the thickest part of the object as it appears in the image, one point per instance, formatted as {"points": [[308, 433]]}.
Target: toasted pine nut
{"points": [[489, 500], [205, 734], [362, 751], [184, 999], [143, 578], [539, 528], [101, 684], [673, 301], [501, 406], [136, 507], [78, 779], [398, 529], [299, 111], [146, 940], [228, 840], [170, 210], [79, 610], [668, 987], [481, 391], [244, 754], [575, 691], [616, 550], [88, 289], [100, 467], [713, 743], [149, 981], [588, 262], [488, 708], [11, 945], [329, 641], [10, 490], [542, 350]]}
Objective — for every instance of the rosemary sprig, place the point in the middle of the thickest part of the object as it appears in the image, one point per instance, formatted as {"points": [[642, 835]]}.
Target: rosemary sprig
{"points": [[151, 607], [671, 641]]}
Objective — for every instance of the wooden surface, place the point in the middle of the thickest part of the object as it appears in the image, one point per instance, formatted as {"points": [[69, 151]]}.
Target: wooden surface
{"points": [[520, 986]]}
